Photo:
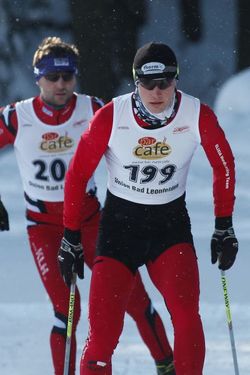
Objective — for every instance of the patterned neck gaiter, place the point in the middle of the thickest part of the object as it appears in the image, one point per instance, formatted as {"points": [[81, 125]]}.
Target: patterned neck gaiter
{"points": [[153, 121]]}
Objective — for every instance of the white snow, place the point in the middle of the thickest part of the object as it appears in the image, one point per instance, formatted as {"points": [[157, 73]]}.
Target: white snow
{"points": [[26, 314]]}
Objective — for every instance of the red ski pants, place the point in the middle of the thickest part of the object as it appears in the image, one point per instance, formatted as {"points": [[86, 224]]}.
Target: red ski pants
{"points": [[175, 274]]}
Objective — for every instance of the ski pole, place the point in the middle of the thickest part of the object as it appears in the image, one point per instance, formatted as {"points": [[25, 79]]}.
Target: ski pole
{"points": [[229, 321], [69, 324]]}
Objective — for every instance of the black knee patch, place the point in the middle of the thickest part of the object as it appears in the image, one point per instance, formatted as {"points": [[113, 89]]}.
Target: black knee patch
{"points": [[60, 330]]}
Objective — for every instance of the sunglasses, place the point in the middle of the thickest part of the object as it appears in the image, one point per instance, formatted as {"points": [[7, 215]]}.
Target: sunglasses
{"points": [[150, 84], [54, 77]]}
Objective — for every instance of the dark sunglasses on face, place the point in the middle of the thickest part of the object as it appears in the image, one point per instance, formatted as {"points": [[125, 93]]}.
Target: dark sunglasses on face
{"points": [[54, 77], [150, 84]]}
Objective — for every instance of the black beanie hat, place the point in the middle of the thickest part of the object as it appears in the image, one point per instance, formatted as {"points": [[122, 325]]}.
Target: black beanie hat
{"points": [[155, 60]]}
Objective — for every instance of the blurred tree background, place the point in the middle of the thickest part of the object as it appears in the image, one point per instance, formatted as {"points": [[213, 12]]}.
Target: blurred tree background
{"points": [[106, 32], [211, 41]]}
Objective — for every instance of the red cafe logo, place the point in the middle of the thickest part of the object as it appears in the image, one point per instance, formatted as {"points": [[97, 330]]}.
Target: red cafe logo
{"points": [[149, 148], [53, 142]]}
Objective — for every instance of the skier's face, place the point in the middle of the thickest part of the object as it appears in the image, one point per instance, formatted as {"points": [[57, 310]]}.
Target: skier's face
{"points": [[157, 99], [57, 88]]}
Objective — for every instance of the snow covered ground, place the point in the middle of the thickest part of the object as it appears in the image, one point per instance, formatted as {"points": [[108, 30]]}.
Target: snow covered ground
{"points": [[26, 315]]}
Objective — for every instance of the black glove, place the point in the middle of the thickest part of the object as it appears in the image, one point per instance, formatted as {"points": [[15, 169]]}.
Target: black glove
{"points": [[4, 219], [224, 244], [70, 256]]}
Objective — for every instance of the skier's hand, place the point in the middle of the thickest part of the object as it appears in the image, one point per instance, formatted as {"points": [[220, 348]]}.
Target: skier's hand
{"points": [[224, 244], [70, 256], [4, 219]]}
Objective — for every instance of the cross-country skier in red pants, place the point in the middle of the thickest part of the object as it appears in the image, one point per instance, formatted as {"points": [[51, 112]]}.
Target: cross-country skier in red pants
{"points": [[44, 131], [148, 138]]}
